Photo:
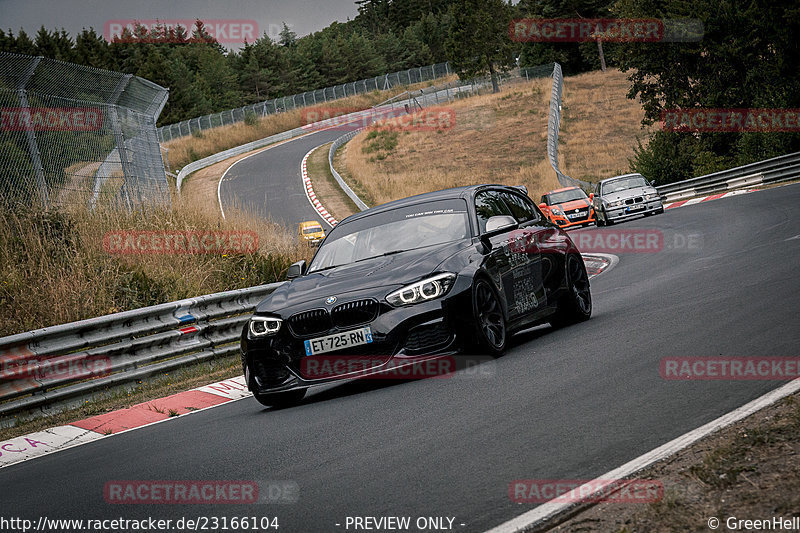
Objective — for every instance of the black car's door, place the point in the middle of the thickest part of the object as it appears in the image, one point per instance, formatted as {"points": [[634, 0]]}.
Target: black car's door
{"points": [[514, 261], [488, 204], [529, 296]]}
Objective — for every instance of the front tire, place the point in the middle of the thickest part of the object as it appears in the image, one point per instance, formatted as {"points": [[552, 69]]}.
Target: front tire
{"points": [[576, 304], [280, 400], [489, 333]]}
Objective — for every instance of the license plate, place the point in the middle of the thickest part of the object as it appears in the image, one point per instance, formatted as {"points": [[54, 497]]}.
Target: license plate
{"points": [[339, 341], [576, 215], [635, 208]]}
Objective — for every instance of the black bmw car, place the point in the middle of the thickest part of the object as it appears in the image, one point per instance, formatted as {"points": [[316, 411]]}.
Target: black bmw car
{"points": [[447, 272]]}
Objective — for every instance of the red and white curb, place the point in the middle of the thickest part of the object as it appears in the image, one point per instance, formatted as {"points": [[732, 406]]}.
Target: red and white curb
{"points": [[702, 199], [59, 438], [315, 203]]}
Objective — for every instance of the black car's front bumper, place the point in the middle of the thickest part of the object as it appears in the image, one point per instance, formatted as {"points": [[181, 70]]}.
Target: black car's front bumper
{"points": [[401, 336]]}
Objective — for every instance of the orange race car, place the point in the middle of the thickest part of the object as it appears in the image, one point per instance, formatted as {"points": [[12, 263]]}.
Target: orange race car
{"points": [[568, 207]]}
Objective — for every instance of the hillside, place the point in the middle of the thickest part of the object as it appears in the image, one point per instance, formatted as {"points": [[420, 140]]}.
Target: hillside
{"points": [[501, 138]]}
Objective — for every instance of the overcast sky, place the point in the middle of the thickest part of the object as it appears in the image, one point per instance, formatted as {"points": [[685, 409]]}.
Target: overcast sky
{"points": [[303, 16]]}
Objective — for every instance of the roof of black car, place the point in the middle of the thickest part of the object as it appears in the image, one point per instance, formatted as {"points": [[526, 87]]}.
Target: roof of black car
{"points": [[445, 194]]}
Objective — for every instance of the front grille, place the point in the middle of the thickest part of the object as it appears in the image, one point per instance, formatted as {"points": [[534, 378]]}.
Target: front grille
{"points": [[351, 314], [578, 215], [637, 200], [427, 337], [310, 322]]}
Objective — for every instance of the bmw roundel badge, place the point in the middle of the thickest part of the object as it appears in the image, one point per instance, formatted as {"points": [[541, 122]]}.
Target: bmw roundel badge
{"points": [[331, 300]]}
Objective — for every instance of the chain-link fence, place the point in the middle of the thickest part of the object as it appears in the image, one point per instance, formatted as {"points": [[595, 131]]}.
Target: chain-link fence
{"points": [[319, 96], [73, 134]]}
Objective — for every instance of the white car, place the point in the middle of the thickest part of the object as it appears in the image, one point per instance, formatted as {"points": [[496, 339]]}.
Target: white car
{"points": [[622, 197]]}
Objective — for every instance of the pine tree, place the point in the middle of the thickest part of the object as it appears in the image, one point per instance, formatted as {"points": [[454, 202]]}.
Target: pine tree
{"points": [[478, 41]]}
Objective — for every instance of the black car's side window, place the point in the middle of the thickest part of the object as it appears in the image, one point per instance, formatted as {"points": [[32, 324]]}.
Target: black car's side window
{"points": [[489, 204], [522, 208]]}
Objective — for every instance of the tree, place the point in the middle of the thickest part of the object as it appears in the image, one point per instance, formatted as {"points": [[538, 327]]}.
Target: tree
{"points": [[288, 38], [478, 41], [747, 58], [92, 50]]}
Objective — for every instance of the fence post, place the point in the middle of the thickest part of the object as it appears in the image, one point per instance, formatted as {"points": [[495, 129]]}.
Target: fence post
{"points": [[119, 139], [33, 146]]}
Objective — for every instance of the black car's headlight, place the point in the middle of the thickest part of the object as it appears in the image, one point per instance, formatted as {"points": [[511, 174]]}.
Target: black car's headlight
{"points": [[422, 291], [263, 326]]}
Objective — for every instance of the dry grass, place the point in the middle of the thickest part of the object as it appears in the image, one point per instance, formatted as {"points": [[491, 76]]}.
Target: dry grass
{"points": [[501, 138], [748, 470], [182, 151], [599, 125], [497, 138], [54, 268]]}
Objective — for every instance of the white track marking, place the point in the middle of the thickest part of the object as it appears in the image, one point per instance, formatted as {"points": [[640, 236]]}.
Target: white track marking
{"points": [[550, 510], [45, 442]]}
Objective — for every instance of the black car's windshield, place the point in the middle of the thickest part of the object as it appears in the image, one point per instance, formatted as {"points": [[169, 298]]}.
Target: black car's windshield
{"points": [[566, 196], [397, 231], [624, 183]]}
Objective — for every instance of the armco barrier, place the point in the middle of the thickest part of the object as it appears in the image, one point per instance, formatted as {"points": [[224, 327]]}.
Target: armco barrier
{"points": [[779, 168], [332, 152], [132, 344], [272, 139]]}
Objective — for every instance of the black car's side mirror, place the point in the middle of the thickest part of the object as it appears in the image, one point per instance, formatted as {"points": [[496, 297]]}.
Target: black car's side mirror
{"points": [[494, 226], [296, 270], [500, 223]]}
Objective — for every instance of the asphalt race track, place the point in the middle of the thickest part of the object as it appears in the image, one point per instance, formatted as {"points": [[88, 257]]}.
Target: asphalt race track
{"points": [[269, 182], [567, 404]]}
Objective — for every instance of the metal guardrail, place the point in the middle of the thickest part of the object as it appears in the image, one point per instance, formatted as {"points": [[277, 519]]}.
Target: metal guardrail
{"points": [[553, 126], [779, 168], [194, 166], [62, 362], [346, 188]]}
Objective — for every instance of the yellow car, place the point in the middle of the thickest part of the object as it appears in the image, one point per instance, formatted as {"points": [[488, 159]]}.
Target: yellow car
{"points": [[311, 233]]}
